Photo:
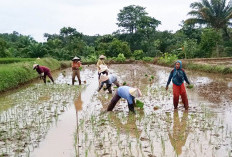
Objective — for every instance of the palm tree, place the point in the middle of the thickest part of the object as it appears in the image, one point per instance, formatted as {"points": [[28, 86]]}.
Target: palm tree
{"points": [[214, 14]]}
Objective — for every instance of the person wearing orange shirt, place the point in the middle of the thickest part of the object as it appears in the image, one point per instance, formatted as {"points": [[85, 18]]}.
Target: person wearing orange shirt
{"points": [[76, 64]]}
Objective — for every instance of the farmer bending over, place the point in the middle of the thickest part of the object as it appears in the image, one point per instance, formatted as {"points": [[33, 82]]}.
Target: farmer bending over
{"points": [[178, 77], [103, 71], [127, 93], [76, 64], [43, 72], [99, 63], [108, 80]]}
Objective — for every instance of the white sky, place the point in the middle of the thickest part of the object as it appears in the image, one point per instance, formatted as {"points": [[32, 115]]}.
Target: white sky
{"points": [[90, 17]]}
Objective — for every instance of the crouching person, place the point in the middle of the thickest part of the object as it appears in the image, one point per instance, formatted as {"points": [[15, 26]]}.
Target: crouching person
{"points": [[108, 80], [43, 72], [178, 76], [128, 93]]}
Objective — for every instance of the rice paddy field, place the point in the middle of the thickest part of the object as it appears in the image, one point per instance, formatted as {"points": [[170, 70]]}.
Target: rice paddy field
{"points": [[64, 120]]}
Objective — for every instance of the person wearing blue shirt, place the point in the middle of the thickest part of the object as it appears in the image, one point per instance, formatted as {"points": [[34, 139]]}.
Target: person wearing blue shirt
{"points": [[128, 93], [108, 80]]}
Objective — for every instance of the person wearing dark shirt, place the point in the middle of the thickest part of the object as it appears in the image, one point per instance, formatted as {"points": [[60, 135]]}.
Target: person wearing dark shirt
{"points": [[178, 76]]}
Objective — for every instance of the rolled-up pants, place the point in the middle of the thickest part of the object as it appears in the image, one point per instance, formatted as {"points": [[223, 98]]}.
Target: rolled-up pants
{"points": [[74, 74], [177, 91]]}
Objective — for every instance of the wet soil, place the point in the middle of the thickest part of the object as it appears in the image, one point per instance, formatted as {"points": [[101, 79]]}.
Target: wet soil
{"points": [[64, 120]]}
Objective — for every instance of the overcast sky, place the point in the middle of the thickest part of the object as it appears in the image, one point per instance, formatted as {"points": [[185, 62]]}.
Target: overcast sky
{"points": [[90, 17]]}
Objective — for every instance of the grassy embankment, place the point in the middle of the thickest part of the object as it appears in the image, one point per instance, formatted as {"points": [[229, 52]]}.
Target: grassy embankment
{"points": [[20, 71], [169, 61]]}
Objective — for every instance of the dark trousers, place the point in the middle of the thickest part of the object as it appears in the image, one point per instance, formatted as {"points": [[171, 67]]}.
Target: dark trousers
{"points": [[114, 101], [76, 73], [109, 86], [49, 75]]}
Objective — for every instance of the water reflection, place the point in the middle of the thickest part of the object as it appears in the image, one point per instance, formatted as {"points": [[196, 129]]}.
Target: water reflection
{"points": [[180, 131], [78, 103], [130, 125]]}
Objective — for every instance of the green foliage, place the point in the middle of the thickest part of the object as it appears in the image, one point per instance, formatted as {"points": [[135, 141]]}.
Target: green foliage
{"points": [[117, 47], [190, 86], [190, 48], [129, 16], [3, 49], [65, 64], [209, 68], [11, 75], [90, 59], [214, 13], [209, 41], [14, 60], [138, 54], [139, 104], [148, 59], [121, 58], [167, 59]]}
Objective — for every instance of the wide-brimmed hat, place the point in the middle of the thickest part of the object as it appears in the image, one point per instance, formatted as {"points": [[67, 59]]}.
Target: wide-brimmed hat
{"points": [[103, 78], [135, 92], [103, 68], [102, 57], [34, 66], [75, 58]]}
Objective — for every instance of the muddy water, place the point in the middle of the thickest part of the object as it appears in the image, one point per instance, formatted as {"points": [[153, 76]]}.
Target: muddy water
{"points": [[66, 122]]}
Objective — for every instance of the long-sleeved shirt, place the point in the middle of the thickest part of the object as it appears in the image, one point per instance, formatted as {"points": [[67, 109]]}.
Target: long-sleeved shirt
{"points": [[123, 92], [76, 65], [178, 76], [43, 69], [112, 79], [100, 62]]}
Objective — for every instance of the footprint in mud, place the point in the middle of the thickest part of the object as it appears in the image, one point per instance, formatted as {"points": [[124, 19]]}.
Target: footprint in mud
{"points": [[144, 139], [156, 108]]}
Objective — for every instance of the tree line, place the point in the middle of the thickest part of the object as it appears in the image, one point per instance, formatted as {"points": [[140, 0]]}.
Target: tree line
{"points": [[206, 34]]}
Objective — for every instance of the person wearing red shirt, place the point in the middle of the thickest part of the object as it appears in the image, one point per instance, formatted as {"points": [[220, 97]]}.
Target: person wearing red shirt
{"points": [[43, 72], [76, 64]]}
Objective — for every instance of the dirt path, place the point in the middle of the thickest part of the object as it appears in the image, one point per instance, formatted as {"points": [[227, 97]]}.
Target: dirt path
{"points": [[77, 126]]}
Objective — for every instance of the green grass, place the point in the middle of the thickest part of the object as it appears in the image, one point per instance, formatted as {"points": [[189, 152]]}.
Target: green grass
{"points": [[170, 62], [12, 75], [15, 60], [208, 68], [65, 64]]}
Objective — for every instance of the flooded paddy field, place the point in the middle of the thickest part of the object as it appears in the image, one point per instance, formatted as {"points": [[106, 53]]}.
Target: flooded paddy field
{"points": [[65, 120]]}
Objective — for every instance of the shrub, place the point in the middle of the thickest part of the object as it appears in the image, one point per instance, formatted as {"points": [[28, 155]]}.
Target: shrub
{"points": [[138, 54], [167, 59], [148, 59], [121, 58], [89, 59]]}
